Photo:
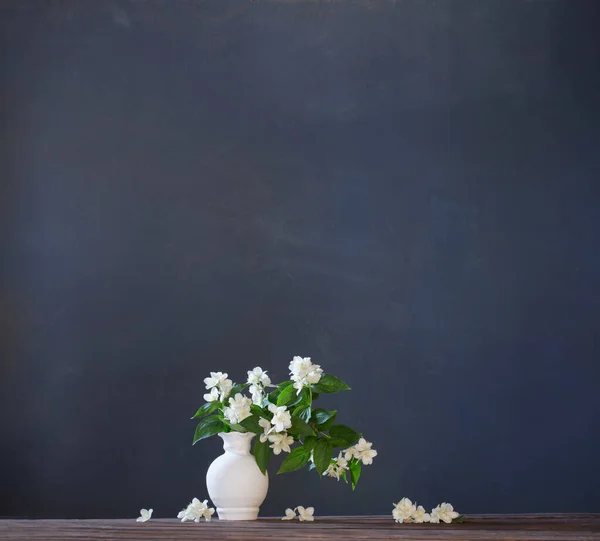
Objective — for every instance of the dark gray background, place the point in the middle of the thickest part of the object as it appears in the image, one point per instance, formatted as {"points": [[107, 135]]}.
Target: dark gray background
{"points": [[406, 191]]}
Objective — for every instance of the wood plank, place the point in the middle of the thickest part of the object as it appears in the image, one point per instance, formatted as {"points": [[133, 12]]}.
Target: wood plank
{"points": [[380, 528]]}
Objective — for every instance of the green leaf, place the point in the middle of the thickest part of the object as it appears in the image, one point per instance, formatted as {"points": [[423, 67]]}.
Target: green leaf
{"points": [[344, 433], [273, 396], [208, 427], [206, 409], [287, 395], [262, 454], [309, 443], [303, 412], [320, 416], [338, 442], [284, 383], [322, 455], [300, 428], [258, 411], [326, 426], [355, 467], [251, 424], [460, 519], [297, 459], [303, 399], [330, 384], [345, 477]]}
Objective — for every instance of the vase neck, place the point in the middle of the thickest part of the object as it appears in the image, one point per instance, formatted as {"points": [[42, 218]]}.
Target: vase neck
{"points": [[237, 443]]}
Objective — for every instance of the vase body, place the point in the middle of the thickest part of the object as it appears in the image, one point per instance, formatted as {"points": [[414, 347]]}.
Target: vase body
{"points": [[234, 481]]}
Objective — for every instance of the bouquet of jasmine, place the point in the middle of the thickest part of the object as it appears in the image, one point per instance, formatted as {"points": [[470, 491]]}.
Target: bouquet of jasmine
{"points": [[285, 419]]}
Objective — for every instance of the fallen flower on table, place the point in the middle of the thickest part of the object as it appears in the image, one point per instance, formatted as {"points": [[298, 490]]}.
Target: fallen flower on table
{"points": [[195, 511], [145, 515], [405, 511], [290, 514], [419, 515], [306, 514], [444, 512]]}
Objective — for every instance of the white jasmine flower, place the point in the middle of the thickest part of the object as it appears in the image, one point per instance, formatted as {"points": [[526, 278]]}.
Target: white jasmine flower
{"points": [[257, 399], [446, 512], [265, 424], [314, 376], [300, 366], [404, 510], [216, 378], [337, 467], [213, 395], [303, 372], [282, 419], [299, 385], [225, 388], [257, 394], [254, 375], [145, 515], [362, 450], [420, 515], [258, 376], [196, 510], [434, 516], [341, 462], [238, 409], [230, 415], [258, 379], [331, 471], [306, 514], [217, 383], [239, 401], [290, 514], [280, 442]]}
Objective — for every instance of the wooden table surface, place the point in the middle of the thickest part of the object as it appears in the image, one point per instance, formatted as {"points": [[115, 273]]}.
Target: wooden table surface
{"points": [[477, 528]]}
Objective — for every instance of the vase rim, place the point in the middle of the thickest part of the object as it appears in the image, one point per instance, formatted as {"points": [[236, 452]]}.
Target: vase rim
{"points": [[237, 442], [225, 434]]}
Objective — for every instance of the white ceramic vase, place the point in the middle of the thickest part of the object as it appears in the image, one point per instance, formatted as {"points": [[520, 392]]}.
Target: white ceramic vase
{"points": [[235, 483]]}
